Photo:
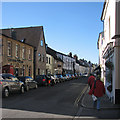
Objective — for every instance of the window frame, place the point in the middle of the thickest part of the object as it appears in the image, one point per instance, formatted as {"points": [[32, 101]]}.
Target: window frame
{"points": [[9, 50], [23, 52], [41, 43], [17, 50]]}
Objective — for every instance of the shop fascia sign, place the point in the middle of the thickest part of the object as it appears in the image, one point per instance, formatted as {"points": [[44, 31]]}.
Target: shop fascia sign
{"points": [[14, 60]]}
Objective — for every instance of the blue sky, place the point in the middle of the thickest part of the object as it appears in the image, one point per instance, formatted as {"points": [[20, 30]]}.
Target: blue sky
{"points": [[68, 26]]}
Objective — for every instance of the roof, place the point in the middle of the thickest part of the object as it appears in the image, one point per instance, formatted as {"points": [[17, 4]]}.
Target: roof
{"points": [[52, 52], [30, 34], [83, 63], [103, 10], [16, 40]]}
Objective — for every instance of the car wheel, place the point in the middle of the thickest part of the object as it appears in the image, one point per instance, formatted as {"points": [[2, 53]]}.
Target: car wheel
{"points": [[6, 92], [27, 88], [22, 90]]}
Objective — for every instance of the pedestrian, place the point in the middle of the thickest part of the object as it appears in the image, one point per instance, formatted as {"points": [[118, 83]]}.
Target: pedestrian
{"points": [[91, 80], [97, 91]]}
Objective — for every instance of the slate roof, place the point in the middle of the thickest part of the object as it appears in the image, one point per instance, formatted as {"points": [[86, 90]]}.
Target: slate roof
{"points": [[30, 34], [83, 63], [52, 52], [17, 40]]}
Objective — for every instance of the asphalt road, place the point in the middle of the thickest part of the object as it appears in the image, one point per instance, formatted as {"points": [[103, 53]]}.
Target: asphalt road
{"points": [[59, 101]]}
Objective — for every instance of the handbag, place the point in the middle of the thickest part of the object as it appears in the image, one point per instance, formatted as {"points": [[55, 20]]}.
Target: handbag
{"points": [[93, 96]]}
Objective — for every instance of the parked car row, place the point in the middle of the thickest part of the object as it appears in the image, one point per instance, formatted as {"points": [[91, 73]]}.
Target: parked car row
{"points": [[10, 83]]}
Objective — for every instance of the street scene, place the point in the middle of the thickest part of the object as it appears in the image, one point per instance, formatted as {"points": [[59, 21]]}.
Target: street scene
{"points": [[60, 60], [68, 100]]}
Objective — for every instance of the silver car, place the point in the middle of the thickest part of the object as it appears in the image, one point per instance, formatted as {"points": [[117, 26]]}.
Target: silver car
{"points": [[9, 84]]}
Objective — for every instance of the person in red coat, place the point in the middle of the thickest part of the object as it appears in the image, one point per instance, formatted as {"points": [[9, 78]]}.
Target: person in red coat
{"points": [[91, 80], [97, 90]]}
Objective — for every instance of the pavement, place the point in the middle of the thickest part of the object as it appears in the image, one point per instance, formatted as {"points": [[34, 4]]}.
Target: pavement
{"points": [[87, 102]]}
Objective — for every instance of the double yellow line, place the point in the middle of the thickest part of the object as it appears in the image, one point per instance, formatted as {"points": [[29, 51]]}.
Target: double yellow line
{"points": [[80, 96]]}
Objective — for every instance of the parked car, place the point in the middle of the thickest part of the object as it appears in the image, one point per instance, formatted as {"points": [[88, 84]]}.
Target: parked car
{"points": [[50, 80], [56, 79], [73, 76], [41, 80], [28, 81], [10, 84], [60, 77], [85, 74], [70, 76]]}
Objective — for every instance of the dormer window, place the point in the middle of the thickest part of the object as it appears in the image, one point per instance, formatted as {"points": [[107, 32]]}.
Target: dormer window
{"points": [[23, 40]]}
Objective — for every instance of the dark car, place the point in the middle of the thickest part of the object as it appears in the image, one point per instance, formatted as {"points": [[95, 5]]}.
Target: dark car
{"points": [[41, 80], [51, 80], [10, 84], [28, 81]]}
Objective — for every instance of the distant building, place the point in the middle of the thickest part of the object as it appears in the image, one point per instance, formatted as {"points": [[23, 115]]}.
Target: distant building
{"points": [[18, 55], [68, 63], [54, 65], [35, 37], [84, 67]]}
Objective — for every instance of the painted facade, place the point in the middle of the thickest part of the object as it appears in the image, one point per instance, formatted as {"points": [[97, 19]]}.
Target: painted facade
{"points": [[110, 48]]}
